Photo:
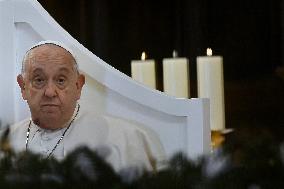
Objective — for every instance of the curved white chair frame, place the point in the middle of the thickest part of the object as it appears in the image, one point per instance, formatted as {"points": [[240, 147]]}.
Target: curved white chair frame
{"points": [[181, 124]]}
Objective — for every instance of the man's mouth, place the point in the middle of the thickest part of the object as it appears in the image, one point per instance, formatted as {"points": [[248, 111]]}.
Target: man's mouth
{"points": [[49, 108], [49, 105]]}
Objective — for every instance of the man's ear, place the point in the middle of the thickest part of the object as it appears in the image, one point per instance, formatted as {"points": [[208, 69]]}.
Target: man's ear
{"points": [[21, 83], [80, 83]]}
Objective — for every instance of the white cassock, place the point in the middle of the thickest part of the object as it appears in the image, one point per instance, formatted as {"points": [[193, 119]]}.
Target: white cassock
{"points": [[125, 144]]}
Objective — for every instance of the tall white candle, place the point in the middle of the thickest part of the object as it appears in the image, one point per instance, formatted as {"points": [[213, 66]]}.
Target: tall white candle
{"points": [[211, 85], [176, 77], [144, 71]]}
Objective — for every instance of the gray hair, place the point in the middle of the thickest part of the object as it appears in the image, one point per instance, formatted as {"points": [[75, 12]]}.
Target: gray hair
{"points": [[56, 43]]}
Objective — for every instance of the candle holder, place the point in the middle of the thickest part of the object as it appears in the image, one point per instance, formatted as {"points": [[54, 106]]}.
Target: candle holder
{"points": [[218, 137]]}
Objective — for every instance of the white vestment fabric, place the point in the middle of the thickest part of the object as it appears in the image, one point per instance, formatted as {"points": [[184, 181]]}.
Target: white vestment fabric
{"points": [[122, 143]]}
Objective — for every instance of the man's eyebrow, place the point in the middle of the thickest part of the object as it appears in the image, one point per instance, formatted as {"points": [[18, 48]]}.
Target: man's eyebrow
{"points": [[63, 69], [37, 70]]}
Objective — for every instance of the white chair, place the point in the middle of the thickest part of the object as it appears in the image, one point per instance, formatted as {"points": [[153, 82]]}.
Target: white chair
{"points": [[181, 124]]}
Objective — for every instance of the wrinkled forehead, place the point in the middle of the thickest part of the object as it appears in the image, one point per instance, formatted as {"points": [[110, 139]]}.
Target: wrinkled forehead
{"points": [[50, 51], [49, 54]]}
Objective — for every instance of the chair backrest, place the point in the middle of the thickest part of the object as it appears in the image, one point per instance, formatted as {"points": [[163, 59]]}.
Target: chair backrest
{"points": [[181, 124]]}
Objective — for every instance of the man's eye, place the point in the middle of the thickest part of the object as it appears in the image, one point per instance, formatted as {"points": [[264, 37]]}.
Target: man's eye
{"points": [[61, 81], [38, 82]]}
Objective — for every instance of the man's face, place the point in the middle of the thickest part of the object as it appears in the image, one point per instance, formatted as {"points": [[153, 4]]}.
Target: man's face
{"points": [[51, 86]]}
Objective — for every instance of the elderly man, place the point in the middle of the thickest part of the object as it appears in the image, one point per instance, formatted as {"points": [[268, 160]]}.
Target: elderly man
{"points": [[51, 84]]}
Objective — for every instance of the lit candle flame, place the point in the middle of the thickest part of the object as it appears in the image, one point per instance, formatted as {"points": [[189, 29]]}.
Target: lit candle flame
{"points": [[209, 51], [175, 54], [143, 56]]}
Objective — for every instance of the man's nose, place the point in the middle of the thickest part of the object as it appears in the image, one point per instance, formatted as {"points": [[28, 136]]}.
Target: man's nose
{"points": [[50, 90]]}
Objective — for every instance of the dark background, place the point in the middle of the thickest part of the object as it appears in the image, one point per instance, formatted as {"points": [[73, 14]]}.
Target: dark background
{"points": [[249, 34]]}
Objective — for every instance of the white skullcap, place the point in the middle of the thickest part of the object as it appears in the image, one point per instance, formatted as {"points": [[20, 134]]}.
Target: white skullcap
{"points": [[57, 43]]}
